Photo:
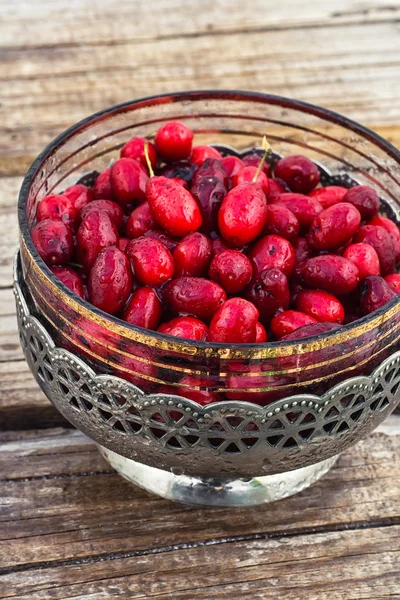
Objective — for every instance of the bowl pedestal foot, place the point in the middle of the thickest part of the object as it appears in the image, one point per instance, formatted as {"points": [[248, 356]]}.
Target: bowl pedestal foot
{"points": [[214, 491]]}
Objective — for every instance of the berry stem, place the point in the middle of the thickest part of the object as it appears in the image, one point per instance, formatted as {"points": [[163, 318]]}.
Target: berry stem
{"points": [[268, 150], [146, 154]]}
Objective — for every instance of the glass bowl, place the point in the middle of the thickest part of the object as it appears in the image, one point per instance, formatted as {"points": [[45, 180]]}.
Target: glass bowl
{"points": [[281, 406]]}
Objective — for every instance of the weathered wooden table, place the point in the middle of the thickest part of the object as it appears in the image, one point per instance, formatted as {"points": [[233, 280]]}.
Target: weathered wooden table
{"points": [[70, 527]]}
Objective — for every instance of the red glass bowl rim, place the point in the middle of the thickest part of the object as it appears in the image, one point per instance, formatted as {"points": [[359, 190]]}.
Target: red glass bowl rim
{"points": [[234, 95]]}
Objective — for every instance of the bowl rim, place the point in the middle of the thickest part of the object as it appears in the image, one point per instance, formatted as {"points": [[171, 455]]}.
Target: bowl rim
{"points": [[240, 350]]}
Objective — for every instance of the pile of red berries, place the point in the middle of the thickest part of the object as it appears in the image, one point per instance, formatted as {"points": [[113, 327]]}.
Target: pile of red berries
{"points": [[216, 248]]}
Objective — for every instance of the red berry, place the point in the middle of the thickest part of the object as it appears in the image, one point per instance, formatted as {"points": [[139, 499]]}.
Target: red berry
{"points": [[173, 207], [243, 214], [261, 334], [329, 195], [269, 292], [128, 181], [180, 182], [144, 309], [331, 273], [202, 397], [185, 327], [152, 261], [134, 149], [253, 160], [209, 193], [273, 251], [102, 188], [234, 322], [110, 280], [58, 208], [194, 296], [174, 141], [95, 232], [231, 165], [334, 226], [112, 209], [310, 330], [277, 187], [392, 230], [211, 167], [232, 270], [70, 278], [54, 241], [168, 241], [365, 199], [365, 258], [201, 153], [321, 306], [393, 282], [247, 174], [80, 195], [299, 172], [139, 221], [379, 239], [123, 244], [374, 293], [281, 221], [303, 250], [193, 254], [289, 320], [219, 245], [304, 207]]}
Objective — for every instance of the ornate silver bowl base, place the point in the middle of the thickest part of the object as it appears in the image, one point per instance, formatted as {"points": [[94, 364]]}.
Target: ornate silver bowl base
{"points": [[214, 491]]}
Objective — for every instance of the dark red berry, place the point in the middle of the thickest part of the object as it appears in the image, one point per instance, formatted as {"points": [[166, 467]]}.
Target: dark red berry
{"points": [[70, 278], [331, 273], [393, 282], [158, 234], [310, 330], [329, 195], [185, 327], [321, 306], [303, 250], [209, 193], [232, 270], [379, 239], [253, 160], [152, 262], [365, 199], [374, 293], [289, 320], [139, 221], [234, 322], [112, 209], [174, 141], [304, 207], [201, 153], [58, 208], [277, 187], [392, 230], [193, 254], [102, 189], [211, 167], [144, 309], [243, 214], [281, 221], [219, 245], [95, 232], [54, 241], [365, 258], [232, 165], [134, 149], [79, 194], [273, 251], [128, 181], [173, 207], [110, 280], [334, 226], [181, 170], [247, 174], [261, 334], [299, 172], [269, 292], [194, 296], [123, 244]]}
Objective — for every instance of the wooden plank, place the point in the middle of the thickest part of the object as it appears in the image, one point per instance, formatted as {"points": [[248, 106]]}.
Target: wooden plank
{"points": [[9, 188], [60, 503]]}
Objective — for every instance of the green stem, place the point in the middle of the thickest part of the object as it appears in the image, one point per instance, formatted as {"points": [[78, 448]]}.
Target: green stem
{"points": [[146, 154]]}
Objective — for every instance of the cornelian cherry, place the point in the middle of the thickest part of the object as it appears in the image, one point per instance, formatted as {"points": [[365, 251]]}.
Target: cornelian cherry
{"points": [[70, 278], [201, 153], [374, 293], [102, 189], [365, 258], [273, 251], [365, 199], [174, 141], [288, 321], [392, 230], [334, 226], [299, 172], [281, 221], [261, 334], [193, 254], [144, 309], [58, 208], [173, 207], [95, 232], [139, 221], [194, 296], [393, 282], [232, 270], [128, 181], [110, 280], [232, 165], [185, 327], [152, 261], [54, 241], [247, 174], [321, 306], [329, 195], [134, 149], [112, 209], [234, 322], [243, 214]]}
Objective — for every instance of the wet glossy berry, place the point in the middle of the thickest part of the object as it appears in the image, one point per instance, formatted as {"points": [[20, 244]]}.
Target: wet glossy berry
{"points": [[329, 195], [261, 334], [173, 207], [289, 320], [232, 270], [243, 214], [334, 226], [209, 193], [381, 240], [139, 221], [393, 282], [269, 292], [95, 232], [321, 306], [234, 322], [298, 172], [201, 153], [174, 140], [273, 251], [331, 273], [303, 250], [144, 309], [365, 258], [374, 293], [194, 296], [310, 330], [253, 160], [392, 230], [110, 280], [365, 199], [54, 241], [134, 149], [158, 234], [247, 174], [123, 243], [277, 187], [79, 194], [219, 245], [70, 278], [232, 165], [281, 221], [102, 189], [193, 254], [152, 262], [303, 207], [128, 181], [112, 209], [58, 208], [185, 327], [211, 167], [181, 170]]}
